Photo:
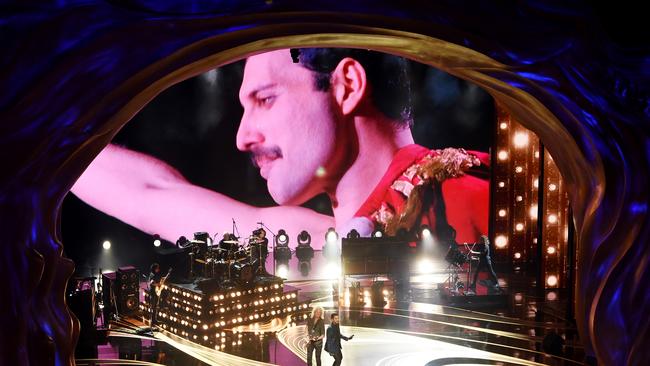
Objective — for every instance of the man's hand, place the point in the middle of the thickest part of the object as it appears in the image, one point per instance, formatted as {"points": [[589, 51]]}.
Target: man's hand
{"points": [[350, 337]]}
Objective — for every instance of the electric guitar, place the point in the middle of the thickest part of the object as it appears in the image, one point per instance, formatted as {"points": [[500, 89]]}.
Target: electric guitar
{"points": [[159, 287]]}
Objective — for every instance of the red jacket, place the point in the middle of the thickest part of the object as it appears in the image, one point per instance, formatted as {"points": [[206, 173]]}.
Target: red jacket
{"points": [[466, 198]]}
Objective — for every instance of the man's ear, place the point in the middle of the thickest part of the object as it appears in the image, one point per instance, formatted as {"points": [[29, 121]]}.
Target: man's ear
{"points": [[349, 84]]}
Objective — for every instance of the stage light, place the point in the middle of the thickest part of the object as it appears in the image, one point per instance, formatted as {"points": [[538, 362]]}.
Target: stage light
{"points": [[424, 266], [519, 227], [519, 198], [353, 234], [551, 296], [304, 238], [331, 236], [502, 213], [282, 239], [552, 219], [536, 182], [503, 125], [156, 240], [502, 184], [377, 233], [520, 139], [536, 154], [281, 252], [552, 187], [551, 280], [503, 155], [426, 232], [501, 241], [331, 247], [519, 169], [182, 242], [106, 245], [304, 252], [533, 212], [550, 250], [517, 255]]}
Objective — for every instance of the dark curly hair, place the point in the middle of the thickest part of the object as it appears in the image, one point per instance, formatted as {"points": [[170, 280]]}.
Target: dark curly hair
{"points": [[387, 75]]}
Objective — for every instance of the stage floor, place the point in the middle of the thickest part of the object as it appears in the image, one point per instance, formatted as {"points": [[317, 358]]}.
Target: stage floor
{"points": [[507, 330]]}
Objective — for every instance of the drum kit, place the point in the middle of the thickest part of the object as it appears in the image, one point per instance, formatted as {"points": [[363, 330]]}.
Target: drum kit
{"points": [[235, 260]]}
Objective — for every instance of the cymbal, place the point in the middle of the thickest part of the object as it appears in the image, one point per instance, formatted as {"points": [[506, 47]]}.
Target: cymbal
{"points": [[230, 241]]}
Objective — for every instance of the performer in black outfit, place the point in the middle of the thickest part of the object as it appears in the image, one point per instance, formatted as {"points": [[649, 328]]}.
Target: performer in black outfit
{"points": [[316, 332], [485, 261], [333, 343], [259, 250], [154, 282]]}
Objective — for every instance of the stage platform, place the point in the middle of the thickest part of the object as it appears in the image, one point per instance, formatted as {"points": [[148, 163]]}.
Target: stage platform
{"points": [[430, 328]]}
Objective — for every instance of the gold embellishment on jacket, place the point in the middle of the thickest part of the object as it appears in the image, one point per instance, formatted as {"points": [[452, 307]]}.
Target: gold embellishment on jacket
{"points": [[434, 168]]}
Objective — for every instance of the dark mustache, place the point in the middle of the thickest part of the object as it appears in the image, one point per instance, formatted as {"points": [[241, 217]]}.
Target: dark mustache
{"points": [[272, 152]]}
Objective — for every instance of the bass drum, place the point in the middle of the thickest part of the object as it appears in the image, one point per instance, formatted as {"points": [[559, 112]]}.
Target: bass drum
{"points": [[241, 272]]}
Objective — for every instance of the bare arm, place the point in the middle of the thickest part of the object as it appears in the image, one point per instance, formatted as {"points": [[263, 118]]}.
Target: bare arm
{"points": [[152, 196]]}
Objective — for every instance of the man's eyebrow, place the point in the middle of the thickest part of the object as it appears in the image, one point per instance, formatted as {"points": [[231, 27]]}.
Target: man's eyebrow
{"points": [[253, 93]]}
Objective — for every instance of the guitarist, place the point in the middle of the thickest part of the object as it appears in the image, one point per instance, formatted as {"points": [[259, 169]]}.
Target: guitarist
{"points": [[155, 288]]}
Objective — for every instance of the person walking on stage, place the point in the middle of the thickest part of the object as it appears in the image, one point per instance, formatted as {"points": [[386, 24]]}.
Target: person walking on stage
{"points": [[333, 343], [316, 332]]}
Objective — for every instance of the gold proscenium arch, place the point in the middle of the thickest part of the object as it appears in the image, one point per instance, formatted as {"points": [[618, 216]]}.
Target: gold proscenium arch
{"points": [[584, 179]]}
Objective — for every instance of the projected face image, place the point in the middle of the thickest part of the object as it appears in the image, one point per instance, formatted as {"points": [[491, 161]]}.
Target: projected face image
{"points": [[354, 124], [288, 127]]}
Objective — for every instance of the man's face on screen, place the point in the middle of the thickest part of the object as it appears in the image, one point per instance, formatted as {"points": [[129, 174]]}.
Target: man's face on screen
{"points": [[288, 127]]}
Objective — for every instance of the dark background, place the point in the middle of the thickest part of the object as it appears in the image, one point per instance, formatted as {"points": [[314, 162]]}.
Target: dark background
{"points": [[192, 126]]}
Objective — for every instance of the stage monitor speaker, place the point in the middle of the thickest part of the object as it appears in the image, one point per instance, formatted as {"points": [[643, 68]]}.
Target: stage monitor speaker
{"points": [[127, 290]]}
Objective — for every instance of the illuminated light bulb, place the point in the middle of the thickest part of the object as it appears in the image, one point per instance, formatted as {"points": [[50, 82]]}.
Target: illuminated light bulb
{"points": [[518, 297], [551, 296], [551, 250], [503, 125], [502, 184], [552, 219], [503, 155], [519, 226], [520, 139], [536, 154], [551, 280], [519, 169], [106, 245], [533, 212], [502, 213], [517, 255], [552, 187], [519, 198], [501, 241]]}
